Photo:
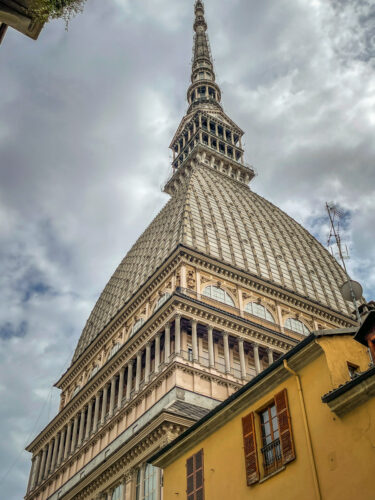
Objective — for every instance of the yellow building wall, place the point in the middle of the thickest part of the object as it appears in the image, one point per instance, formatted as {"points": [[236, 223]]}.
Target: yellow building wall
{"points": [[344, 448]]}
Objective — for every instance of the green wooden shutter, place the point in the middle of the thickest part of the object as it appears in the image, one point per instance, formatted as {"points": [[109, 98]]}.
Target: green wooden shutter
{"points": [[250, 449], [285, 428]]}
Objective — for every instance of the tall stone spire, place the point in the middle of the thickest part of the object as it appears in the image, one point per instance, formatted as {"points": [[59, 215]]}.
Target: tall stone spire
{"points": [[202, 66]]}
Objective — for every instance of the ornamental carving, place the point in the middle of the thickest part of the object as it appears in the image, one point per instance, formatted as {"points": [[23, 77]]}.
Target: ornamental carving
{"points": [[191, 280]]}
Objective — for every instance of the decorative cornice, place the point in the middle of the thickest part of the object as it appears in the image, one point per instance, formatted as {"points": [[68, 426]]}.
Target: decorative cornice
{"points": [[272, 290], [208, 264]]}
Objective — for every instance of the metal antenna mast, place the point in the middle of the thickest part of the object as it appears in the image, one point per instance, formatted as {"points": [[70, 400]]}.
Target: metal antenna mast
{"points": [[351, 290]]}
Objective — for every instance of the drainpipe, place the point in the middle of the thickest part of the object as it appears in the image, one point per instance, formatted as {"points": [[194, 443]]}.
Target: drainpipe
{"points": [[307, 430]]}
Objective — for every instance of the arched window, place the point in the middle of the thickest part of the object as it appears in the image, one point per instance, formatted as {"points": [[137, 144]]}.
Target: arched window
{"points": [[147, 485], [216, 293], [94, 371], [137, 326], [260, 311], [150, 482], [296, 326], [117, 493], [114, 349], [161, 300], [76, 390]]}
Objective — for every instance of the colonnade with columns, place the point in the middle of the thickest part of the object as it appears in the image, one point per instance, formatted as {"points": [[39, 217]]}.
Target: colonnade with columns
{"points": [[173, 342]]}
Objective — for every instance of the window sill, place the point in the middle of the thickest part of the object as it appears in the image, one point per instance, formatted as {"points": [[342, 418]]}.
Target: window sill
{"points": [[272, 474]]}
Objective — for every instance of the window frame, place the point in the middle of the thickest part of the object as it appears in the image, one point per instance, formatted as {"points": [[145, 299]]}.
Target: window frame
{"points": [[227, 295], [253, 440], [76, 390], [305, 331], [275, 444], [120, 489], [162, 300], [114, 349], [137, 326], [94, 371], [265, 309]]}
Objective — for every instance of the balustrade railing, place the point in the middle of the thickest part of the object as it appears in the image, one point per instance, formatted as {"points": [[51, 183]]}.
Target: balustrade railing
{"points": [[272, 456]]}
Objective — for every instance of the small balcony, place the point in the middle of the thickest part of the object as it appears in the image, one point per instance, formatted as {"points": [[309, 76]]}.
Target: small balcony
{"points": [[272, 457]]}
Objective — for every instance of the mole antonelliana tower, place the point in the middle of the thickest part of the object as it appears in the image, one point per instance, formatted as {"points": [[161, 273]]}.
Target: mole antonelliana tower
{"points": [[219, 285]]}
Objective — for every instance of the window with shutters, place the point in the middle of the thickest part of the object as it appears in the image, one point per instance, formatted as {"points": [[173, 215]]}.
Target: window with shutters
{"points": [[275, 435], [194, 477], [271, 450]]}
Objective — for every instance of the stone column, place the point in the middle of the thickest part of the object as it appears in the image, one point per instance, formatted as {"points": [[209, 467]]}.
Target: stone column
{"points": [[81, 427], [177, 335], [240, 301], [32, 473], [226, 352], [112, 398], [43, 464], [242, 358], [183, 276], [35, 472], [198, 282], [148, 362], [256, 358], [142, 480], [68, 438], [194, 339], [61, 447], [270, 356], [123, 493], [74, 434], [167, 343], [49, 458], [129, 380], [211, 356], [104, 404], [55, 450], [138, 371], [120, 388], [129, 489], [89, 419], [157, 353], [280, 317], [96, 412]]}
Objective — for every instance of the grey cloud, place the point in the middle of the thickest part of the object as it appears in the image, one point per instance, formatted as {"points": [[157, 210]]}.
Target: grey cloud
{"points": [[86, 120]]}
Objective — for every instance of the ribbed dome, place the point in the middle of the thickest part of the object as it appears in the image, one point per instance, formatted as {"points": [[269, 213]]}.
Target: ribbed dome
{"points": [[224, 219]]}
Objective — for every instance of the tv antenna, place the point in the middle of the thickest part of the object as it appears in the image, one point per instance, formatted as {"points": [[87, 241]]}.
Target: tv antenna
{"points": [[350, 290]]}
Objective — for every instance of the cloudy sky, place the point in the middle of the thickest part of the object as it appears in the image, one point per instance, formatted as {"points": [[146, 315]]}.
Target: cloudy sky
{"points": [[85, 123]]}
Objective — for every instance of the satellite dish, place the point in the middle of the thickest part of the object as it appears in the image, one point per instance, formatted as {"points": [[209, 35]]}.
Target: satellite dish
{"points": [[351, 288]]}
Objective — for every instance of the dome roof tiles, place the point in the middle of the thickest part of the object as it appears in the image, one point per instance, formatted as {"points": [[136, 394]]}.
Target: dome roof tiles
{"points": [[225, 220]]}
